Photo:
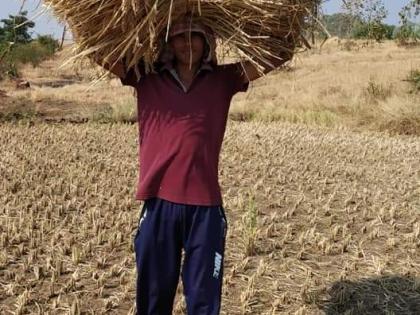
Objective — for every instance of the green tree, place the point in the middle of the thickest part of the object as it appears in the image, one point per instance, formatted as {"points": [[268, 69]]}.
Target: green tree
{"points": [[48, 42], [20, 34], [371, 15], [17, 46], [339, 24], [389, 31], [407, 33], [412, 9], [313, 22], [2, 32], [374, 31]]}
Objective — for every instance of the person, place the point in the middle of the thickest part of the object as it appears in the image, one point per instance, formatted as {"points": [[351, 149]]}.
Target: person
{"points": [[182, 115]]}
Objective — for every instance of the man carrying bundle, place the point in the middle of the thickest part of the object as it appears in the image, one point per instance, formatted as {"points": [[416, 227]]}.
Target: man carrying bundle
{"points": [[182, 114]]}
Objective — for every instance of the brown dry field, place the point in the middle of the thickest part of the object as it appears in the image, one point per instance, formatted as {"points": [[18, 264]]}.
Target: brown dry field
{"points": [[339, 86], [323, 218]]}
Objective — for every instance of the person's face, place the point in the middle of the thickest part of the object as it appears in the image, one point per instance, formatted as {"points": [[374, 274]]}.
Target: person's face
{"points": [[188, 47]]}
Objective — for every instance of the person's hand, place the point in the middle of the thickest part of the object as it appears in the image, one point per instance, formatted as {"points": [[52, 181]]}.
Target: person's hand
{"points": [[116, 68], [251, 72], [279, 59]]}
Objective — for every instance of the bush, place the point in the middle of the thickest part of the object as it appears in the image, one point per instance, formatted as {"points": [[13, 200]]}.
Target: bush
{"points": [[414, 79], [349, 45], [406, 34], [339, 24], [48, 42], [389, 31], [34, 53], [375, 92], [7, 68], [375, 31]]}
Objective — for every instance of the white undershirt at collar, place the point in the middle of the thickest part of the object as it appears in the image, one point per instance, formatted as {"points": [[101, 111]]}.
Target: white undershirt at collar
{"points": [[175, 75]]}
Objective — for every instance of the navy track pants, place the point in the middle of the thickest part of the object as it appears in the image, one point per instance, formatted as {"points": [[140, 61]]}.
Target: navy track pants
{"points": [[164, 230]]}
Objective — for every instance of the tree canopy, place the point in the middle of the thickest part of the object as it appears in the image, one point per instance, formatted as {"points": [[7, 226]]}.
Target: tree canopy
{"points": [[8, 32], [412, 9]]}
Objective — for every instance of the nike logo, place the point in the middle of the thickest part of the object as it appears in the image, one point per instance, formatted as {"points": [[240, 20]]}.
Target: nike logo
{"points": [[217, 265]]}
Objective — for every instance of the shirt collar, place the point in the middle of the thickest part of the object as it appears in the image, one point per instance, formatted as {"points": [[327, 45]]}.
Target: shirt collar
{"points": [[171, 69]]}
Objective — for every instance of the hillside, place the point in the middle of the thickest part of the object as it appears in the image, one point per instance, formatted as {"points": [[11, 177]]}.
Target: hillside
{"points": [[343, 84]]}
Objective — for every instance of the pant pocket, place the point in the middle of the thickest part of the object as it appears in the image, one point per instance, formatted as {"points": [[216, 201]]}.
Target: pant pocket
{"points": [[224, 220], [143, 214]]}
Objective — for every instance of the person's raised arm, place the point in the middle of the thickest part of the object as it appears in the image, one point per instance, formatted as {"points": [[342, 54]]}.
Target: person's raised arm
{"points": [[127, 76], [118, 68], [251, 72]]}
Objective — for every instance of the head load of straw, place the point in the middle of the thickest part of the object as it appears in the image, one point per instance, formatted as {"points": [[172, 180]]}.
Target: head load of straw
{"points": [[110, 30]]}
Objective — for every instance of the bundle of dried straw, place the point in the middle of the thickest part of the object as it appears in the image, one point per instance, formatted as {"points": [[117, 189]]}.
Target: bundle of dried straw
{"points": [[108, 30]]}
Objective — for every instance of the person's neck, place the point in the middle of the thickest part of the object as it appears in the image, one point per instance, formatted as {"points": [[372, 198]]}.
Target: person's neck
{"points": [[185, 71]]}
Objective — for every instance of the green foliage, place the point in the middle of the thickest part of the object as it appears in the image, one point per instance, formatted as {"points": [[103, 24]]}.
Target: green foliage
{"points": [[374, 31], [370, 15], [2, 34], [32, 53], [345, 25], [410, 10], [339, 24], [18, 54], [368, 11], [21, 34], [407, 33], [389, 31], [6, 67], [360, 30], [17, 46], [8, 70], [414, 79], [48, 42]]}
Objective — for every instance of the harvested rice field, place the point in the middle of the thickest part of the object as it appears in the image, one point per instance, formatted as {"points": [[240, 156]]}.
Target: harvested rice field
{"points": [[320, 221]]}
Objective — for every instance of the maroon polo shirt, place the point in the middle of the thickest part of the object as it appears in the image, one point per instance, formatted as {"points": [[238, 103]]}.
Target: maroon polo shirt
{"points": [[181, 133]]}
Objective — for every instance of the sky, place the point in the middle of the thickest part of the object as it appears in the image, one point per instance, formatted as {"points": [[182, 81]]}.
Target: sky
{"points": [[47, 24]]}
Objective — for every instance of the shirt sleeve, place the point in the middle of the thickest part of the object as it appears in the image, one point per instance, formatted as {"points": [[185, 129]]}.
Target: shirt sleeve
{"points": [[234, 78], [130, 78]]}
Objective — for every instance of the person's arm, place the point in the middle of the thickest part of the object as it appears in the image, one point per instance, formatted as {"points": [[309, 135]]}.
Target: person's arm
{"points": [[127, 77], [251, 72], [118, 69]]}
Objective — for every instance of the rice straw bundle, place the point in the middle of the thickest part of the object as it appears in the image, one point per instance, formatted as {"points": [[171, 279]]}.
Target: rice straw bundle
{"points": [[108, 30]]}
